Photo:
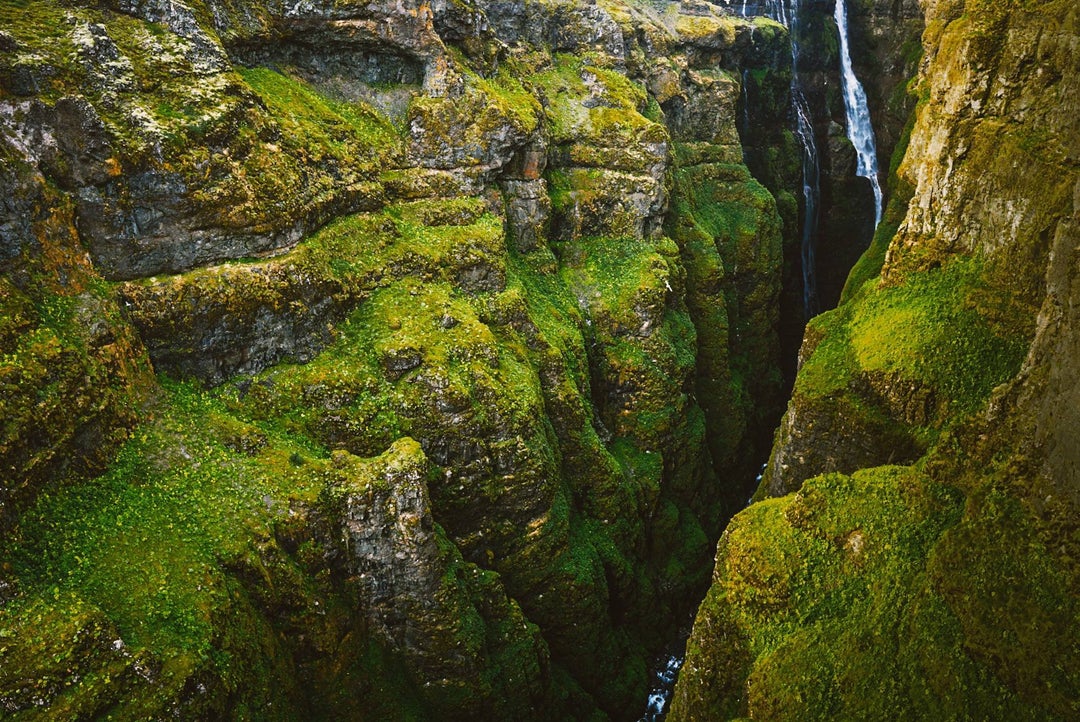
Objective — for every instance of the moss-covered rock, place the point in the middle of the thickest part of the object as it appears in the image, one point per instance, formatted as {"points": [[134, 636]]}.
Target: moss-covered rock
{"points": [[829, 609], [465, 644], [954, 365], [72, 370], [900, 364], [439, 443]]}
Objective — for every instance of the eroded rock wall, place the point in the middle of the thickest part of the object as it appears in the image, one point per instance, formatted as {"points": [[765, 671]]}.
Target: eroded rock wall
{"points": [[464, 324]]}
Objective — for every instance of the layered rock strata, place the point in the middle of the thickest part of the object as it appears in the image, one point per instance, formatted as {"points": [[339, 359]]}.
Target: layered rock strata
{"points": [[463, 319]]}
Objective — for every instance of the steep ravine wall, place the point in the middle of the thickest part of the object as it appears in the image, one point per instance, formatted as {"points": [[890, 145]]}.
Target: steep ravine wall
{"points": [[373, 361], [915, 556]]}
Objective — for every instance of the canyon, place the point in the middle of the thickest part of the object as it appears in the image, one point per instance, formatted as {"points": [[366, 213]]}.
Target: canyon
{"points": [[416, 360]]}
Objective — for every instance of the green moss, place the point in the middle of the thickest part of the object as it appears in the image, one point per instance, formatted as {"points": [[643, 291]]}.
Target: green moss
{"points": [[623, 272], [91, 534], [454, 241], [694, 27], [490, 116], [831, 364], [243, 142], [321, 124], [829, 590], [513, 97], [882, 595], [607, 132], [728, 205], [462, 211], [174, 553], [939, 329], [45, 47], [647, 346], [729, 233], [1014, 598], [146, 544], [282, 135], [872, 260], [71, 378]]}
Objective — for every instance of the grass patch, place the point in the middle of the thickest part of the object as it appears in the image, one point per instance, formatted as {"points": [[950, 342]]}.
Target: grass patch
{"points": [[318, 125]]}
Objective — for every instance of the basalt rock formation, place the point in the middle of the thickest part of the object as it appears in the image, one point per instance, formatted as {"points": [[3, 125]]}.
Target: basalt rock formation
{"points": [[374, 360], [916, 555]]}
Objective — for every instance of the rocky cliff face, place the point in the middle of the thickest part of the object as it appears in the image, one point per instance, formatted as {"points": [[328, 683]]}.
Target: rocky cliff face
{"points": [[406, 353], [925, 564]]}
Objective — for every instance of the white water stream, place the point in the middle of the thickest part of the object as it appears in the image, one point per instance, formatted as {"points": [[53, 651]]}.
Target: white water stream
{"points": [[859, 130], [662, 686]]}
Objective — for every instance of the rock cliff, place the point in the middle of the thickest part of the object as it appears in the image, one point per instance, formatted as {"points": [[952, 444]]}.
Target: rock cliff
{"points": [[374, 360], [917, 557]]}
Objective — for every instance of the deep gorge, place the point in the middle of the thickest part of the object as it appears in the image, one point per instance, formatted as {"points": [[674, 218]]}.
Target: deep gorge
{"points": [[407, 361]]}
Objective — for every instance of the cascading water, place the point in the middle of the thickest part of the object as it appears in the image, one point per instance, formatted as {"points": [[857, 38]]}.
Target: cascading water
{"points": [[861, 134], [662, 687], [859, 130], [811, 171], [786, 12]]}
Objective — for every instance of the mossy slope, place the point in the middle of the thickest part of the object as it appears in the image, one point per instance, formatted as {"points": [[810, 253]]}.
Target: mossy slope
{"points": [[949, 361], [832, 605]]}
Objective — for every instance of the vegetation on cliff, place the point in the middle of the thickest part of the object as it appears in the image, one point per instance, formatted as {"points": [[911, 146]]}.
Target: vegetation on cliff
{"points": [[354, 352], [943, 588], [401, 361]]}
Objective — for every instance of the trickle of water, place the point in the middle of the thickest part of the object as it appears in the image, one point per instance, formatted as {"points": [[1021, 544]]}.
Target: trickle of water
{"points": [[662, 688], [811, 171], [786, 12], [859, 129]]}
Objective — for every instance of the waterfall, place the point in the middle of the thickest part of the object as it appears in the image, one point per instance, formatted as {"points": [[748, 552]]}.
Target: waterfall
{"points": [[786, 12], [859, 130], [811, 172]]}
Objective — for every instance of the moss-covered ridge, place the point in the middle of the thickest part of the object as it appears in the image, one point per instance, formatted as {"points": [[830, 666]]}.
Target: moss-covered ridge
{"points": [[825, 594], [204, 575], [885, 374], [179, 162]]}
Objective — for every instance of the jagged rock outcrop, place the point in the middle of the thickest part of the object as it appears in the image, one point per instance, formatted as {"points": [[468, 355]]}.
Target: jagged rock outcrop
{"points": [[463, 318], [453, 620], [943, 587]]}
